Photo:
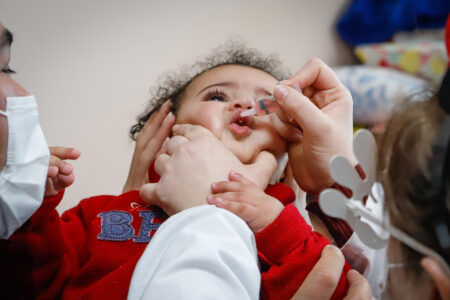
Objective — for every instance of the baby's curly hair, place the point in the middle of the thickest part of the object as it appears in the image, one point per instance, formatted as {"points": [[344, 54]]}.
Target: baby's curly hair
{"points": [[173, 85]]}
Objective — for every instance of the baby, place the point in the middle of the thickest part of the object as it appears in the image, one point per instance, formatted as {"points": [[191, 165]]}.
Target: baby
{"points": [[92, 249], [215, 100]]}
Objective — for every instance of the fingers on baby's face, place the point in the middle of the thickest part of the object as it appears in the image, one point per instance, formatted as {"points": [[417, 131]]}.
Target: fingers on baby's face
{"points": [[214, 100]]}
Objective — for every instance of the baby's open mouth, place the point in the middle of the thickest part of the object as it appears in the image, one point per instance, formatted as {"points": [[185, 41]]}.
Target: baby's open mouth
{"points": [[241, 126]]}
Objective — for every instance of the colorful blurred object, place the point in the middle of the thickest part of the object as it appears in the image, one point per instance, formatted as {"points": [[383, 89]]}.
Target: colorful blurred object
{"points": [[375, 91], [426, 59]]}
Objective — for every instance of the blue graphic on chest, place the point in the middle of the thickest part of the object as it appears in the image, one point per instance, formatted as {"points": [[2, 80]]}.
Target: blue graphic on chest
{"points": [[117, 226]]}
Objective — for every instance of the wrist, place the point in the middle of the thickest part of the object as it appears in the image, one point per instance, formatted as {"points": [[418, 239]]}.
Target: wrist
{"points": [[274, 213]]}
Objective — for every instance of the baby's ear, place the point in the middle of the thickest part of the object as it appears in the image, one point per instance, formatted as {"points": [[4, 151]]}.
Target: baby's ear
{"points": [[282, 162]]}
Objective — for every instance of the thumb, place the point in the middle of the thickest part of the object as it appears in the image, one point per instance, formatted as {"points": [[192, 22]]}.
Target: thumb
{"points": [[190, 131], [359, 286], [262, 168], [149, 195]]}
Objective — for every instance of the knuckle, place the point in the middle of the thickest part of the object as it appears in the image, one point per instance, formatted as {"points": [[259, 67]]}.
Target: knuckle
{"points": [[327, 279], [348, 99], [240, 210], [316, 61], [240, 197]]}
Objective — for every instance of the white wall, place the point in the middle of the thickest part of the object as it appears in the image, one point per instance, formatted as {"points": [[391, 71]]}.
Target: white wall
{"points": [[91, 63]]}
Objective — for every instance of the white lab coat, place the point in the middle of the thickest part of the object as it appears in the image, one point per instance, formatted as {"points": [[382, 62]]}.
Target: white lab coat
{"points": [[201, 253]]}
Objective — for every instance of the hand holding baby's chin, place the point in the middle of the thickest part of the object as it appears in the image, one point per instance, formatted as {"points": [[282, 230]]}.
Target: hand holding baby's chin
{"points": [[195, 160]]}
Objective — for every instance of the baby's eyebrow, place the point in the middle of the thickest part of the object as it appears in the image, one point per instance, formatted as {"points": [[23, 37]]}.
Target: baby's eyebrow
{"points": [[225, 83], [230, 83]]}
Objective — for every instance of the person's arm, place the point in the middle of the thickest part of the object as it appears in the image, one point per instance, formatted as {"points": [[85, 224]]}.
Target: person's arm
{"points": [[200, 253], [290, 250]]}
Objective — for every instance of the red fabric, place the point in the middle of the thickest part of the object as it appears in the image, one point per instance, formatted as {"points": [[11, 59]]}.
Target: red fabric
{"points": [[54, 257], [447, 38], [152, 175], [66, 257], [288, 250]]}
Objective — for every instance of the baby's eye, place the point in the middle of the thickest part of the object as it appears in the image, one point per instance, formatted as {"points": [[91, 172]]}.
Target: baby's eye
{"points": [[216, 95], [217, 98]]}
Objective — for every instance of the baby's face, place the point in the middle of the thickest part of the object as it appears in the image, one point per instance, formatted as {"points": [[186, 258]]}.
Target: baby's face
{"points": [[216, 99]]}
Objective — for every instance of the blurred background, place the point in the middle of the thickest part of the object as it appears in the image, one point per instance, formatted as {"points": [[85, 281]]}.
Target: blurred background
{"points": [[91, 63]]}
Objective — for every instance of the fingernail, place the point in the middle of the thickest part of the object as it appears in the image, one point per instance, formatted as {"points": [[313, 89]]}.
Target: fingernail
{"points": [[296, 87], [175, 128], [168, 117], [210, 199], [280, 92], [213, 185], [233, 173]]}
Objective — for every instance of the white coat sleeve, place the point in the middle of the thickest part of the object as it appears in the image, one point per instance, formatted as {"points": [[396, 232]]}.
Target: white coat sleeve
{"points": [[203, 252]]}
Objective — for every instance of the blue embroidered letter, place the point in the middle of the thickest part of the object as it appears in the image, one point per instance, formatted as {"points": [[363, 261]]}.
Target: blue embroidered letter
{"points": [[116, 226], [147, 225]]}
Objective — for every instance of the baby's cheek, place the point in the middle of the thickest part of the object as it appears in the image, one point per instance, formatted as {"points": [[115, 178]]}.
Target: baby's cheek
{"points": [[274, 144], [214, 125], [272, 140]]}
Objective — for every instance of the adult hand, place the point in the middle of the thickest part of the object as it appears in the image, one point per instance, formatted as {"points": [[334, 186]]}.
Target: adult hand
{"points": [[438, 274], [148, 143], [196, 159], [60, 173], [324, 277], [323, 111]]}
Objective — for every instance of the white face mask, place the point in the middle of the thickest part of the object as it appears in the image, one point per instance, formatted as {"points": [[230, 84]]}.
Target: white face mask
{"points": [[23, 177]]}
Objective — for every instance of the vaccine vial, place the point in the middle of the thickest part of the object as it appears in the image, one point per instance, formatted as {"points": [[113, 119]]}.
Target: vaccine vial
{"points": [[266, 106], [263, 107]]}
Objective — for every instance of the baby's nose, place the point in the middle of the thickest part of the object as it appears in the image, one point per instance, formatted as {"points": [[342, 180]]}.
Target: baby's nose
{"points": [[243, 103]]}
